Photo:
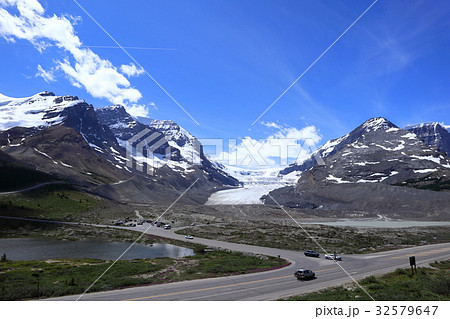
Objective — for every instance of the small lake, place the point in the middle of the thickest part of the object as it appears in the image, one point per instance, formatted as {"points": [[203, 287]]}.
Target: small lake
{"points": [[45, 248], [376, 223]]}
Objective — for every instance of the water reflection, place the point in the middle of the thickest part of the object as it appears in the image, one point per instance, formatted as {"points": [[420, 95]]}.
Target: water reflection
{"points": [[44, 248]]}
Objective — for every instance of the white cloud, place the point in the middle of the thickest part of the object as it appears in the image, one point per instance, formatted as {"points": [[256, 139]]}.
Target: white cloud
{"points": [[83, 67], [48, 76], [131, 70], [137, 110], [272, 125], [278, 149]]}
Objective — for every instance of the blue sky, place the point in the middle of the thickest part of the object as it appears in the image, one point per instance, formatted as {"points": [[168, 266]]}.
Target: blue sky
{"points": [[225, 62]]}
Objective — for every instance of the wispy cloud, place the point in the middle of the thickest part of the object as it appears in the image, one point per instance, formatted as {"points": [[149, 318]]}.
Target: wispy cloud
{"points": [[272, 125], [48, 76], [131, 70], [26, 20]]}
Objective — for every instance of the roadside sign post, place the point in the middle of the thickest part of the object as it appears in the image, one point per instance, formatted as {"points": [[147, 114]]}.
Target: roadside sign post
{"points": [[38, 275], [412, 263]]}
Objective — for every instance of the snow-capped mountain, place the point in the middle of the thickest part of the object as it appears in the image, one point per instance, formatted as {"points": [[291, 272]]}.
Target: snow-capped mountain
{"points": [[447, 127], [39, 110], [177, 149], [433, 134], [122, 124], [333, 146], [377, 151], [44, 109], [65, 136], [357, 170], [187, 146], [60, 135]]}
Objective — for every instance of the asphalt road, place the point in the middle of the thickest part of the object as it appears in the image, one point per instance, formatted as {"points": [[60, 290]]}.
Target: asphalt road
{"points": [[271, 284]]}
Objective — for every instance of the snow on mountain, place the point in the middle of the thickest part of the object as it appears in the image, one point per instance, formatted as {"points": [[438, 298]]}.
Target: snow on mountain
{"points": [[333, 146], [171, 145], [122, 124], [447, 127], [45, 109], [180, 139], [362, 171], [378, 123], [259, 176], [40, 110], [387, 154], [254, 185], [257, 183], [124, 127]]}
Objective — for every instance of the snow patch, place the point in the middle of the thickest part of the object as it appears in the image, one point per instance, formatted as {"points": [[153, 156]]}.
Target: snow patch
{"points": [[424, 171], [338, 180], [392, 129], [46, 155], [411, 136], [64, 164], [397, 148], [366, 163], [428, 158]]}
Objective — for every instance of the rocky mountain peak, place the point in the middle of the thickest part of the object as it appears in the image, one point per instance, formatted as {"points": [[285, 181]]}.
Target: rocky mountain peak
{"points": [[378, 123], [433, 134], [38, 111], [46, 93], [115, 116]]}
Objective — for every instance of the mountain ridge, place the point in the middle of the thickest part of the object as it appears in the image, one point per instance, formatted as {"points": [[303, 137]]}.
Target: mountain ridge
{"points": [[367, 170]]}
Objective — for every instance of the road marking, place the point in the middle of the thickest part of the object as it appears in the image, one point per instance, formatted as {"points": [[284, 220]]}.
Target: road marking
{"points": [[217, 287]]}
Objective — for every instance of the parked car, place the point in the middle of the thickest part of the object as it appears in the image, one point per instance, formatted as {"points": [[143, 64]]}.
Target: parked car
{"points": [[333, 257], [189, 237], [167, 227], [193, 224], [303, 274], [311, 253]]}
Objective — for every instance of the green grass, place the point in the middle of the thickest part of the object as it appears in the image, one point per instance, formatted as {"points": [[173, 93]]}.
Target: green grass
{"points": [[58, 201], [15, 177], [70, 277], [66, 277], [432, 284]]}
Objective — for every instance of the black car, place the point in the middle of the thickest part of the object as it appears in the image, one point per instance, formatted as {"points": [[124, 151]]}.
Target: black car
{"points": [[303, 274], [311, 253]]}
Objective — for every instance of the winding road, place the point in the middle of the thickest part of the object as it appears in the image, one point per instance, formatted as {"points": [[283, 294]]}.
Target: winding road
{"points": [[272, 284], [23, 190]]}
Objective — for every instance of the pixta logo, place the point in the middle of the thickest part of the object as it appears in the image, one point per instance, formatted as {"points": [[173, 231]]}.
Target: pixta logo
{"points": [[150, 149]]}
